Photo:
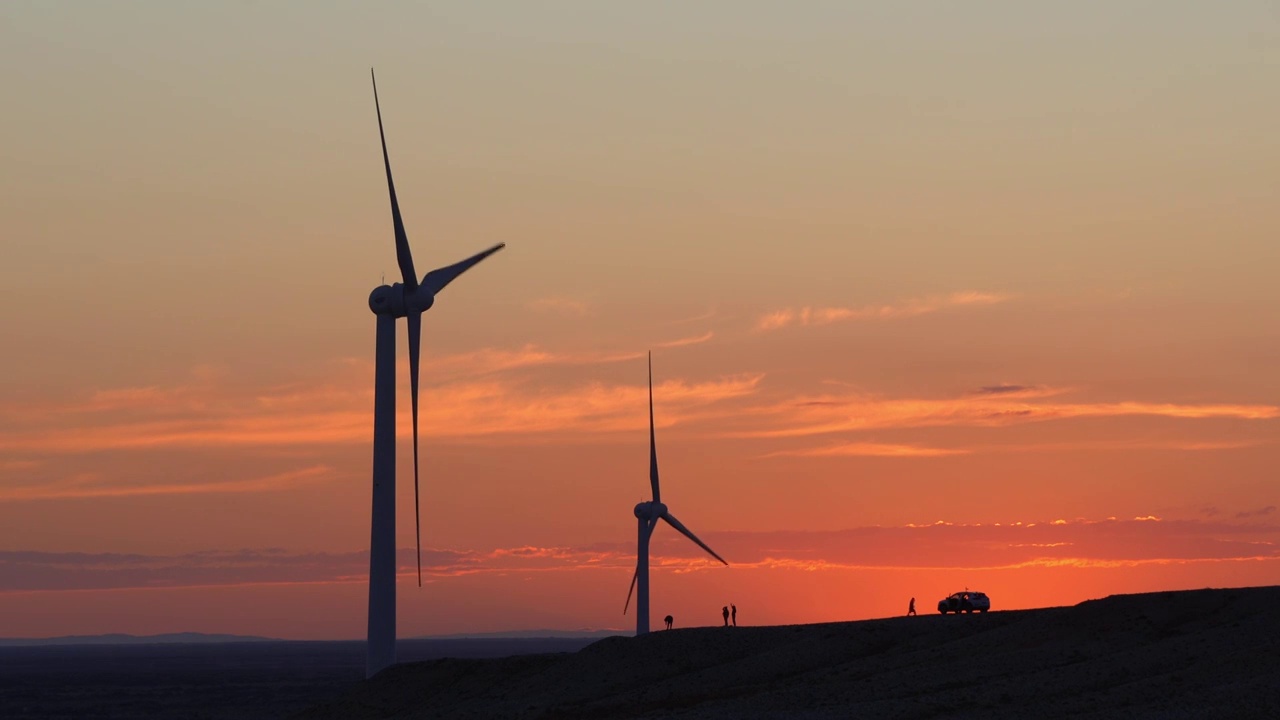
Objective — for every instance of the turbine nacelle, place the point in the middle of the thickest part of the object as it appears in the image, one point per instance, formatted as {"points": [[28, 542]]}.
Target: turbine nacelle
{"points": [[650, 510], [398, 302]]}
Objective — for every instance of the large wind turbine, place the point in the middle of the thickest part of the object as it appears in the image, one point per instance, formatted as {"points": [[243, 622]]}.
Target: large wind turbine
{"points": [[401, 300], [648, 514]]}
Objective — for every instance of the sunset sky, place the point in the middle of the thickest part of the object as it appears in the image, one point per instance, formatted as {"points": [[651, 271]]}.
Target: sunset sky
{"points": [[939, 294]]}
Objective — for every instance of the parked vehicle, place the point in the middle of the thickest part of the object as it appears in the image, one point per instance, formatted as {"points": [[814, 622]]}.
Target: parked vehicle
{"points": [[966, 601]]}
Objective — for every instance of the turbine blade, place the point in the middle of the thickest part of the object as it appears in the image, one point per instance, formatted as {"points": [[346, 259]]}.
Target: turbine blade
{"points": [[634, 578], [403, 256], [415, 341], [673, 522], [435, 280], [653, 444]]}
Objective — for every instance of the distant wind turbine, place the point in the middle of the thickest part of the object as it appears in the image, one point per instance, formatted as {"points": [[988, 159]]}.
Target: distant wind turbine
{"points": [[408, 300], [648, 514]]}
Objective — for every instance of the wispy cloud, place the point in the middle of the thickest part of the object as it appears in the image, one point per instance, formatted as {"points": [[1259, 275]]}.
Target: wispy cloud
{"points": [[33, 571], [695, 340], [775, 319], [90, 485], [491, 360], [868, 449], [488, 393], [784, 317], [1021, 391], [825, 414], [130, 397], [939, 544], [18, 466], [486, 361], [520, 408], [330, 414]]}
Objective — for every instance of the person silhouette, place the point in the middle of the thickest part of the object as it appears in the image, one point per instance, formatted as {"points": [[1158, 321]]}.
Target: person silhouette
{"points": [[725, 612], [733, 611], [668, 620], [911, 607]]}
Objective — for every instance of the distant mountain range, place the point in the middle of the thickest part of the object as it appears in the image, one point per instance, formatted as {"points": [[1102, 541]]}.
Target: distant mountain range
{"points": [[125, 639], [210, 638], [531, 634]]}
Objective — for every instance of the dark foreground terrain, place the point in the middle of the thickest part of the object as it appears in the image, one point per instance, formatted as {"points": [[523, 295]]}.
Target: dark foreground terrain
{"points": [[242, 680], [1192, 654]]}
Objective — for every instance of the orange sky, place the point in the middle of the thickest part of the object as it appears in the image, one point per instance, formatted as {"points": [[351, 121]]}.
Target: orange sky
{"points": [[937, 298]]}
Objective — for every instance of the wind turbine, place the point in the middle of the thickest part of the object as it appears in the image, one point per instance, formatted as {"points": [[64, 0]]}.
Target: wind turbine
{"points": [[648, 514], [402, 300]]}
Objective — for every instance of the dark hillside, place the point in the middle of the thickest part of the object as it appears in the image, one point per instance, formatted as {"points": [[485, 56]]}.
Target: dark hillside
{"points": [[1185, 654]]}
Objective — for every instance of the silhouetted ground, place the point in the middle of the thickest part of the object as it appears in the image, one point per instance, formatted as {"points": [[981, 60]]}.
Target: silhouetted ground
{"points": [[1192, 654], [270, 679]]}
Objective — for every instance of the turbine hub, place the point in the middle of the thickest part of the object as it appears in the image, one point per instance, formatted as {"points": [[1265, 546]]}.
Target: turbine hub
{"points": [[419, 301]]}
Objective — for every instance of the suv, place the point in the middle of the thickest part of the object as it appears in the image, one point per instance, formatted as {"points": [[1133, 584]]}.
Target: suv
{"points": [[966, 601]]}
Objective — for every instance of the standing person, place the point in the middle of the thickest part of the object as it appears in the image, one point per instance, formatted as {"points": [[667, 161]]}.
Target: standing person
{"points": [[725, 612], [734, 613], [911, 608], [668, 619]]}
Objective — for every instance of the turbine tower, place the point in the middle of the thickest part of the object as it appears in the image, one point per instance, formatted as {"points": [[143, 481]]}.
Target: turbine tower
{"points": [[648, 514], [402, 300]]}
